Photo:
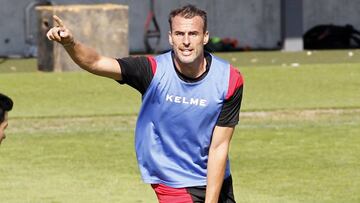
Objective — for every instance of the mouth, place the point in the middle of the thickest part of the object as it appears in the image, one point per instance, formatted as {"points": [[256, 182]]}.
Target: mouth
{"points": [[186, 52]]}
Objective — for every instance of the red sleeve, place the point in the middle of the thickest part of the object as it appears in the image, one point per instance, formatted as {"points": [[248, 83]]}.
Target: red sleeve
{"points": [[153, 64], [235, 81], [229, 115]]}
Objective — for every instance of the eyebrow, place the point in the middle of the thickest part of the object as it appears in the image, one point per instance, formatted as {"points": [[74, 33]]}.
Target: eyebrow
{"points": [[190, 32], [194, 32]]}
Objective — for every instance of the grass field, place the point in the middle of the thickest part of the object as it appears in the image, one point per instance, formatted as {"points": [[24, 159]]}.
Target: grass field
{"points": [[70, 137]]}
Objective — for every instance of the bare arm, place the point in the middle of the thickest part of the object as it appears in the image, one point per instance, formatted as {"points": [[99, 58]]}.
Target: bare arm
{"points": [[87, 58], [218, 154]]}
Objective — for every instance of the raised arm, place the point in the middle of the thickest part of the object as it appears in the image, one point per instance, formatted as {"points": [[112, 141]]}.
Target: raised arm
{"points": [[87, 58]]}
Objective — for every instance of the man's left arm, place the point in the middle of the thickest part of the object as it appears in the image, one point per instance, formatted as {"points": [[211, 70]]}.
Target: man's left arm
{"points": [[223, 131], [218, 154]]}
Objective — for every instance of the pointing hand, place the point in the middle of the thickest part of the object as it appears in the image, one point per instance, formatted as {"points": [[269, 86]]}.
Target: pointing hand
{"points": [[60, 33]]}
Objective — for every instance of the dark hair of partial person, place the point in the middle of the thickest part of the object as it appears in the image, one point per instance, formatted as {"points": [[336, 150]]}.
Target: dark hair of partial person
{"points": [[6, 104], [189, 11]]}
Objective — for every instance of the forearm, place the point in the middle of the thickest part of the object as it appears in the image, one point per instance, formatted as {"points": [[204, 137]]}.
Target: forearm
{"points": [[89, 59], [216, 172], [83, 56]]}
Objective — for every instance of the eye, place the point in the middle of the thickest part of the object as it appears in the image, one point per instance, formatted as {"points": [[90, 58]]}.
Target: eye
{"points": [[179, 34], [193, 34]]}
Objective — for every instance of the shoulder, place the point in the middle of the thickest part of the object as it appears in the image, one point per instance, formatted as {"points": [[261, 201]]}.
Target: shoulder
{"points": [[152, 62], [217, 61], [236, 81], [160, 61], [235, 78]]}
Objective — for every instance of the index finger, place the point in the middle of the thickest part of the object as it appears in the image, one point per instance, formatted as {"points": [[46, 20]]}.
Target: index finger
{"points": [[58, 21]]}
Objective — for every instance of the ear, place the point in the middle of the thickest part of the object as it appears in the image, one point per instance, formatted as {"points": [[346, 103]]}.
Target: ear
{"points": [[170, 39], [206, 37]]}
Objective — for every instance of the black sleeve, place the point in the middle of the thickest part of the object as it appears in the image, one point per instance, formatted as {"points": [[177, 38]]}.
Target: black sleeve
{"points": [[136, 72], [229, 115]]}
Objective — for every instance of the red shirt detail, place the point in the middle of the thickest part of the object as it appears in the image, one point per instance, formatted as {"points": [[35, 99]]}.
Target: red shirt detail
{"points": [[235, 81], [166, 194], [153, 64]]}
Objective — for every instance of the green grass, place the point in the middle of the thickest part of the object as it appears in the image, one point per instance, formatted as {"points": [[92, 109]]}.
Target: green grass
{"points": [[275, 158], [310, 157], [18, 65], [67, 94], [70, 135], [291, 59], [71, 160], [266, 88], [307, 87]]}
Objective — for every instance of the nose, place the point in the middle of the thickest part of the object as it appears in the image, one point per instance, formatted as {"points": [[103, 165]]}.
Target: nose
{"points": [[186, 40]]}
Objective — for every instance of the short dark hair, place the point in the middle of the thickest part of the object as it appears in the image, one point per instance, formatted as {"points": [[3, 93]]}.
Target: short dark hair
{"points": [[188, 11], [6, 104]]}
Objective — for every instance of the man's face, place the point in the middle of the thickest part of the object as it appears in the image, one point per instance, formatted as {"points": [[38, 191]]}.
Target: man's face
{"points": [[3, 126], [187, 38]]}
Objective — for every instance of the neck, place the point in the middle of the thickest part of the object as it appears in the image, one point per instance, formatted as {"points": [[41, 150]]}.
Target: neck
{"points": [[191, 70]]}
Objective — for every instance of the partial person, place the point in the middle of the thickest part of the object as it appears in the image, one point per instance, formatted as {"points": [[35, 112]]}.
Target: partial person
{"points": [[6, 105], [190, 106]]}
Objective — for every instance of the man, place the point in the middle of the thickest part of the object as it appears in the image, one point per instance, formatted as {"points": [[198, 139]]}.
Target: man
{"points": [[190, 106], [6, 105]]}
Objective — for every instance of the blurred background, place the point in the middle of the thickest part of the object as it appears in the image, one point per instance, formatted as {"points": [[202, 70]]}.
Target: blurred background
{"points": [[244, 24]]}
